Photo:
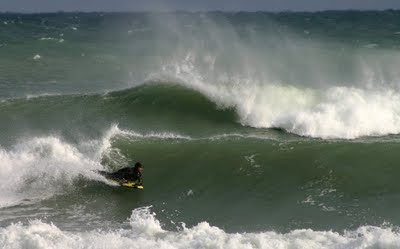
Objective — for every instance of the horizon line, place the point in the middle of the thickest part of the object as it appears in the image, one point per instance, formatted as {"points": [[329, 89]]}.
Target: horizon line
{"points": [[193, 11]]}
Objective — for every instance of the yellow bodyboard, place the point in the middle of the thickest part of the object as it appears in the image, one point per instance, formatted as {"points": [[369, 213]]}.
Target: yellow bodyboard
{"points": [[129, 184]]}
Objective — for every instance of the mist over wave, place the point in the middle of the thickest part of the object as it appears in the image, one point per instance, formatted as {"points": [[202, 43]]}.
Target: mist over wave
{"points": [[275, 77], [328, 112]]}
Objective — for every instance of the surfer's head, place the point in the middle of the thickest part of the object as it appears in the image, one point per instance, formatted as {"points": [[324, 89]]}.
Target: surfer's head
{"points": [[138, 167]]}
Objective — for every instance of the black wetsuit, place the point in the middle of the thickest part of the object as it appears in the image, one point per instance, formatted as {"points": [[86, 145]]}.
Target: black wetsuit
{"points": [[125, 174]]}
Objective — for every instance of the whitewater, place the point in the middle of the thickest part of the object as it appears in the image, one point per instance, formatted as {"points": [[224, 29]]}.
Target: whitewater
{"points": [[146, 232]]}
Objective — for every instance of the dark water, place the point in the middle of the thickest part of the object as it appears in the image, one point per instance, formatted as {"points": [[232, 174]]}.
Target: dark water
{"points": [[256, 130]]}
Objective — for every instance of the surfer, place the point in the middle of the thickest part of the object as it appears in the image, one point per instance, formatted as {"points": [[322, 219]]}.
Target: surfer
{"points": [[127, 174]]}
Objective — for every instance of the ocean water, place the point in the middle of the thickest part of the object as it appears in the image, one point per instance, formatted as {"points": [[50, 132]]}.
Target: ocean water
{"points": [[257, 130]]}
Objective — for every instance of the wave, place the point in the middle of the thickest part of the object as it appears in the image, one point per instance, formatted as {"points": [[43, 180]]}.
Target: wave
{"points": [[328, 113], [38, 168], [273, 77], [146, 232], [172, 97], [336, 112], [251, 69]]}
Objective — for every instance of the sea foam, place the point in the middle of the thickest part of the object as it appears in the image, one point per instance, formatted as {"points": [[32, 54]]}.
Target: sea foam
{"points": [[37, 168], [146, 232]]}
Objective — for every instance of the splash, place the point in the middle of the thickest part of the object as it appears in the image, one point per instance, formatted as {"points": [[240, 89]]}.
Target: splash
{"points": [[40, 167], [146, 232]]}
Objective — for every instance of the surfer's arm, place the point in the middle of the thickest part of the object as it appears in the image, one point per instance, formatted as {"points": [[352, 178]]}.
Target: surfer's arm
{"points": [[139, 181]]}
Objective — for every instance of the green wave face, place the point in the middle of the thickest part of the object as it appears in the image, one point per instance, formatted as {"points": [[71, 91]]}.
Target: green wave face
{"points": [[147, 108], [282, 183], [257, 182]]}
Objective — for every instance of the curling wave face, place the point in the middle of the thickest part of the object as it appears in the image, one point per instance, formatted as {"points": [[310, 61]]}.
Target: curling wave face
{"points": [[338, 112]]}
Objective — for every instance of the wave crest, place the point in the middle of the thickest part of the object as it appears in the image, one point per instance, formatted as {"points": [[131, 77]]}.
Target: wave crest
{"points": [[334, 112]]}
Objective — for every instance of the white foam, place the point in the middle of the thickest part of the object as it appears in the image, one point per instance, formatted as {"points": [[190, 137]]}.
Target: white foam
{"points": [[116, 131], [40, 167], [371, 45], [47, 39], [132, 135], [342, 112], [33, 96], [52, 39], [334, 112], [146, 232], [156, 135]]}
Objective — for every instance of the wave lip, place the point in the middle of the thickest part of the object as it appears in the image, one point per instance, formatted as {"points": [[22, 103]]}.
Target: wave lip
{"points": [[146, 232]]}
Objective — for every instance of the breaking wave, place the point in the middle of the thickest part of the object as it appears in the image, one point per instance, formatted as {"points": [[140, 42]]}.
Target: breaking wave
{"points": [[146, 232]]}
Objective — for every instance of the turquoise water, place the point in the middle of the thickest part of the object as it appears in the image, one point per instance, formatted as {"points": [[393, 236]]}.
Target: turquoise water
{"points": [[257, 130]]}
